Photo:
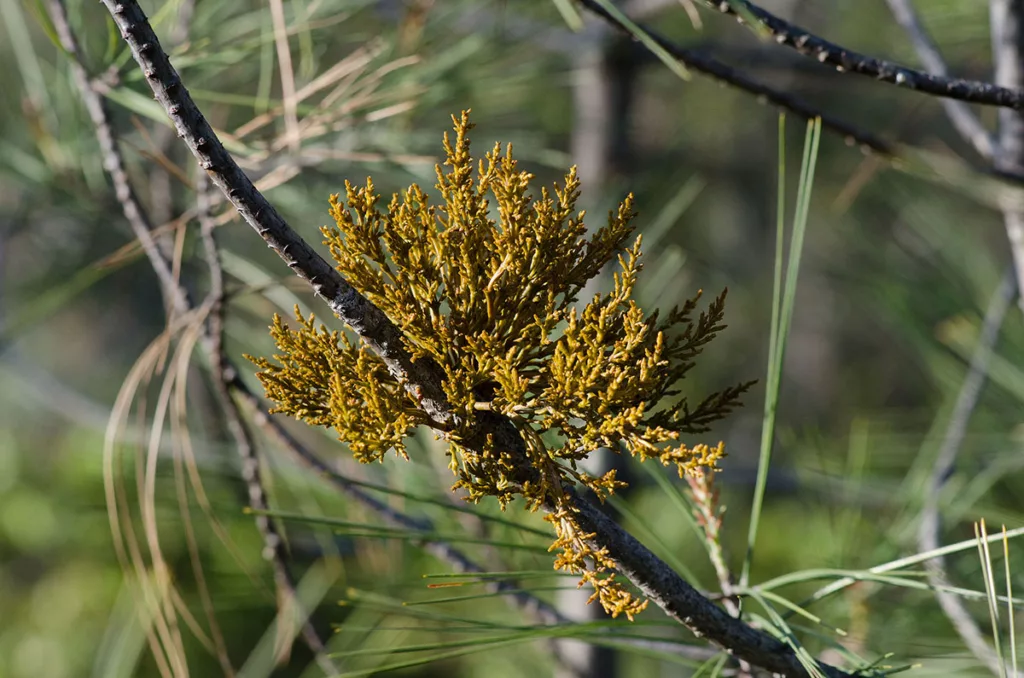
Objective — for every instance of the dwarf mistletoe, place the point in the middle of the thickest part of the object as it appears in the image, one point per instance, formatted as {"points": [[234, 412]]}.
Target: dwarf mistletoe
{"points": [[485, 284]]}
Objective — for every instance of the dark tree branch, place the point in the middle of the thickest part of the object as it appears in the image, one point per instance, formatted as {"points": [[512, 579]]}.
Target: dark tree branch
{"points": [[685, 604], [179, 301], [698, 60], [422, 379], [846, 60], [701, 62], [226, 373], [945, 462], [650, 574], [966, 123]]}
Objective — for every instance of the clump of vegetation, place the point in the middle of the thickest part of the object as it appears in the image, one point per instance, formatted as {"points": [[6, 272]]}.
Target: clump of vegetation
{"points": [[485, 285]]}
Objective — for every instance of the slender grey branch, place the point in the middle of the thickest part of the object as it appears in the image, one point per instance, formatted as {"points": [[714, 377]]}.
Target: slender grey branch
{"points": [[966, 123], [1007, 20], [112, 160], [213, 337], [273, 544], [929, 527], [847, 60], [664, 586], [701, 62], [179, 300]]}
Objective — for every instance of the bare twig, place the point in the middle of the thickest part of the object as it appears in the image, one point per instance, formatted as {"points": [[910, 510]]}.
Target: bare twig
{"points": [[273, 544], [847, 60], [423, 379], [1007, 19], [112, 161], [928, 529], [177, 295], [966, 123], [701, 62]]}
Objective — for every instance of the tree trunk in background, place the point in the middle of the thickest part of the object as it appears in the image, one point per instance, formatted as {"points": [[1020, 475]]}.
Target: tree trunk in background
{"points": [[602, 80]]}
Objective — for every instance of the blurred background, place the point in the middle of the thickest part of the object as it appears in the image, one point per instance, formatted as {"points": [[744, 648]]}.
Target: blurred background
{"points": [[897, 270]]}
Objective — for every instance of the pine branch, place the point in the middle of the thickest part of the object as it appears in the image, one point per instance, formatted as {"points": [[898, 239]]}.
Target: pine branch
{"points": [[226, 374], [700, 61], [113, 163], [848, 61], [650, 574]]}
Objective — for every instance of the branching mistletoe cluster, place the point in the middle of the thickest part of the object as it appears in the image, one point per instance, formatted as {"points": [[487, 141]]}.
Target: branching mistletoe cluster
{"points": [[485, 285]]}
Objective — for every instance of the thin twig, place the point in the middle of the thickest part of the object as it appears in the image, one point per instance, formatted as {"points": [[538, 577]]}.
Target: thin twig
{"points": [[1007, 19], [422, 378], [847, 60], [112, 161], [273, 544], [173, 291], [964, 120], [928, 529], [701, 62]]}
